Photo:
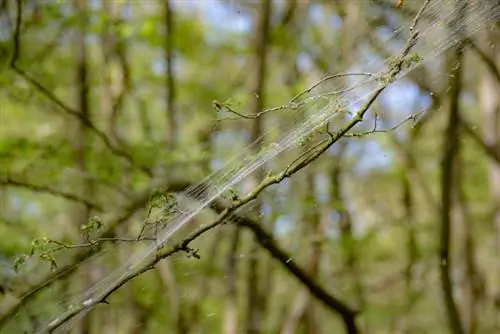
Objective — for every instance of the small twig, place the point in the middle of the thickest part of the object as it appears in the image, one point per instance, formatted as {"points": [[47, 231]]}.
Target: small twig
{"points": [[413, 118], [292, 104], [91, 244], [329, 77]]}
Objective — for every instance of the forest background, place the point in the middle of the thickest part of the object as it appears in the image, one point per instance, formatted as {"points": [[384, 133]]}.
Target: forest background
{"points": [[103, 103]]}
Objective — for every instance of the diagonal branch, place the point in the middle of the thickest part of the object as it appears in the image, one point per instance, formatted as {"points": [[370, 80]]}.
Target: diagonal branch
{"points": [[266, 241], [492, 150], [136, 204], [490, 63]]}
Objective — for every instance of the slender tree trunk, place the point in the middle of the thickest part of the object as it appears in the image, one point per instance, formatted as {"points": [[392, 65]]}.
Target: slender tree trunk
{"points": [[231, 313], [489, 100], [170, 84], [412, 249], [303, 311], [448, 179], [254, 318], [287, 318], [349, 246], [81, 140], [165, 267], [166, 272], [313, 220], [296, 313], [204, 284], [115, 71], [353, 13], [470, 289]]}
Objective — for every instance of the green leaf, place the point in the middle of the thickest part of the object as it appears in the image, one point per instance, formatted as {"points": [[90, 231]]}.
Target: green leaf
{"points": [[94, 224], [18, 261]]}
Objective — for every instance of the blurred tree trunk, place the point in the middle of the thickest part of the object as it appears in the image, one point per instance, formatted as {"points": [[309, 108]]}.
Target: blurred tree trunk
{"points": [[115, 72], [116, 83], [348, 240], [412, 250], [296, 313], [204, 285], [165, 267], [448, 184], [353, 29], [255, 299], [290, 23], [170, 83], [231, 312], [470, 287], [166, 272], [313, 222], [489, 101], [302, 312], [81, 139]]}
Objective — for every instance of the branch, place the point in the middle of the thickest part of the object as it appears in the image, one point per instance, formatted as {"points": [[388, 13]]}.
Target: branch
{"points": [[490, 149], [331, 302], [413, 118], [264, 239], [292, 104], [490, 63], [80, 256], [47, 190]]}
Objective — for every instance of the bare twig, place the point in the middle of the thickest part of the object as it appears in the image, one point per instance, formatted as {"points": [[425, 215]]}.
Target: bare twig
{"points": [[292, 104], [413, 118], [92, 243], [330, 77]]}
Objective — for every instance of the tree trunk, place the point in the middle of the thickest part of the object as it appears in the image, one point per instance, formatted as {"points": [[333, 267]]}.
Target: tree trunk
{"points": [[81, 140], [231, 313], [255, 299], [448, 179], [489, 101], [170, 83]]}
